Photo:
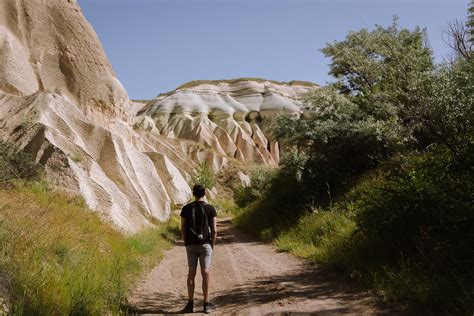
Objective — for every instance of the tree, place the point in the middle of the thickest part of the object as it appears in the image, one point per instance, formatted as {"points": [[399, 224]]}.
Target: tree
{"points": [[460, 35], [380, 68], [458, 39], [367, 115], [470, 22]]}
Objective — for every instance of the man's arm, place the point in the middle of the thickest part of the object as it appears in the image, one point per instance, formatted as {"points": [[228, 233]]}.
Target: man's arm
{"points": [[183, 228], [213, 232]]}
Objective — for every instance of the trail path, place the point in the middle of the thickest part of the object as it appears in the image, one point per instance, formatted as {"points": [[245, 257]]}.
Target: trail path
{"points": [[251, 278]]}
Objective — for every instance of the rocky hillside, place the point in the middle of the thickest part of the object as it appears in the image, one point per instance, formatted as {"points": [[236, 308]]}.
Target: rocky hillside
{"points": [[61, 101], [49, 46], [230, 116]]}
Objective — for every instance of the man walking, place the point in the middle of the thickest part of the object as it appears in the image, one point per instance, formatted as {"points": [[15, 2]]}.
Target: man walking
{"points": [[198, 231]]}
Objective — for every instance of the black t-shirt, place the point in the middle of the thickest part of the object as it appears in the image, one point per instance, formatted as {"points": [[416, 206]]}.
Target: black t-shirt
{"points": [[186, 213]]}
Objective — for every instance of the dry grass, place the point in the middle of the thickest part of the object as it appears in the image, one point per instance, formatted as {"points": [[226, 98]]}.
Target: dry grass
{"points": [[58, 257]]}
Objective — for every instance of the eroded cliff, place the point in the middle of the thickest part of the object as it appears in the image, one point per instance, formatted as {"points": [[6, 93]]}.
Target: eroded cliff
{"points": [[60, 101], [230, 116]]}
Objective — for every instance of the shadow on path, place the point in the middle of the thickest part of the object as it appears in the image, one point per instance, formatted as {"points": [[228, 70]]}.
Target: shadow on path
{"points": [[282, 293]]}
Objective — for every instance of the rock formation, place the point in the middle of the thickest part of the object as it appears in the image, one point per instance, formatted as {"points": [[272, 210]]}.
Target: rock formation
{"points": [[61, 101], [230, 116], [49, 46]]}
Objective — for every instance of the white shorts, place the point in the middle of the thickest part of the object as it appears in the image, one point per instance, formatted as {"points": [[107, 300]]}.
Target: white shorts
{"points": [[203, 252]]}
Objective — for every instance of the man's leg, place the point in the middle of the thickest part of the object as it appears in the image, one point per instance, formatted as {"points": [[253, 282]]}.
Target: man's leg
{"points": [[205, 261], [205, 283], [190, 283], [192, 255]]}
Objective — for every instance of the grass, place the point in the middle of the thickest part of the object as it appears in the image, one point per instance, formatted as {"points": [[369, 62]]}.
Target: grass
{"points": [[319, 236], [58, 257], [225, 207], [362, 235]]}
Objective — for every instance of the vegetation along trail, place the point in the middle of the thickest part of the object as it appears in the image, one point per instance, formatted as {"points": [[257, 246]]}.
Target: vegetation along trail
{"points": [[251, 278]]}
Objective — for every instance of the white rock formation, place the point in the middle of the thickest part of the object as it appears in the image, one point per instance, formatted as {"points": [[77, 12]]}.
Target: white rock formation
{"points": [[60, 101], [229, 116], [48, 45]]}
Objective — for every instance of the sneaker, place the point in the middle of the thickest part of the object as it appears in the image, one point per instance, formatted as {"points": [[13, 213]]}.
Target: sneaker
{"points": [[189, 308], [208, 307]]}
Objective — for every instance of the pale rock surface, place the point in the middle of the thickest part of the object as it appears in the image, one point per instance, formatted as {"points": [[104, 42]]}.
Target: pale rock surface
{"points": [[60, 101], [242, 179], [231, 117], [128, 186], [49, 46]]}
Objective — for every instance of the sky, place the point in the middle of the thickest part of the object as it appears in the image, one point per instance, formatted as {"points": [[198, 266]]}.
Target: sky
{"points": [[157, 45]]}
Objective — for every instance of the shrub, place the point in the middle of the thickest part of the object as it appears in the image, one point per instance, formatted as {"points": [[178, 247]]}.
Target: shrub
{"points": [[204, 176], [418, 221], [260, 178], [226, 207], [338, 141], [16, 164], [276, 206]]}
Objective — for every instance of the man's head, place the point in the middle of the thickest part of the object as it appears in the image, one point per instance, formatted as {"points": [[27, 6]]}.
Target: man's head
{"points": [[199, 191]]}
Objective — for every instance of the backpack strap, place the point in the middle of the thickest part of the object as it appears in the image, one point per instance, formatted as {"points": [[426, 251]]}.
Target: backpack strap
{"points": [[204, 218], [193, 212]]}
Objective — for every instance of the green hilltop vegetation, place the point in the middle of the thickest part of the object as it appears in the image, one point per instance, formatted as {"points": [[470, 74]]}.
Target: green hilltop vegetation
{"points": [[57, 256], [378, 176]]}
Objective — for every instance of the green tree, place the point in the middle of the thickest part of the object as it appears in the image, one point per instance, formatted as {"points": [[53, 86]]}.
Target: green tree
{"points": [[389, 146], [447, 112], [380, 68], [340, 141], [368, 114]]}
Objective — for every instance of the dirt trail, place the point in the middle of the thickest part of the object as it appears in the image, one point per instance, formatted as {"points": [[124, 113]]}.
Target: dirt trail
{"points": [[251, 278]]}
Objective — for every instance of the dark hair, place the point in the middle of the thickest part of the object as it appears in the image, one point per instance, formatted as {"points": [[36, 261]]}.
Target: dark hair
{"points": [[199, 191]]}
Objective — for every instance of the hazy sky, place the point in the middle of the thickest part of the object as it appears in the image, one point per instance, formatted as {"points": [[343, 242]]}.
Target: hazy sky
{"points": [[157, 45]]}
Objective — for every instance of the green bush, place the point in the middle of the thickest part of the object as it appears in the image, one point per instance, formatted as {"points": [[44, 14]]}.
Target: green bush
{"points": [[16, 164], [404, 229], [279, 205], [332, 129], [204, 176], [226, 207], [260, 178], [418, 221], [385, 155]]}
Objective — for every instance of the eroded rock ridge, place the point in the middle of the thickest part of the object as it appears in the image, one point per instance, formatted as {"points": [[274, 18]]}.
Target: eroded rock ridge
{"points": [[230, 116], [61, 101]]}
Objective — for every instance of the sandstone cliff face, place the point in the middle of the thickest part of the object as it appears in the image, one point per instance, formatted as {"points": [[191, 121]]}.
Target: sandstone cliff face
{"points": [[232, 117], [49, 46], [60, 101]]}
